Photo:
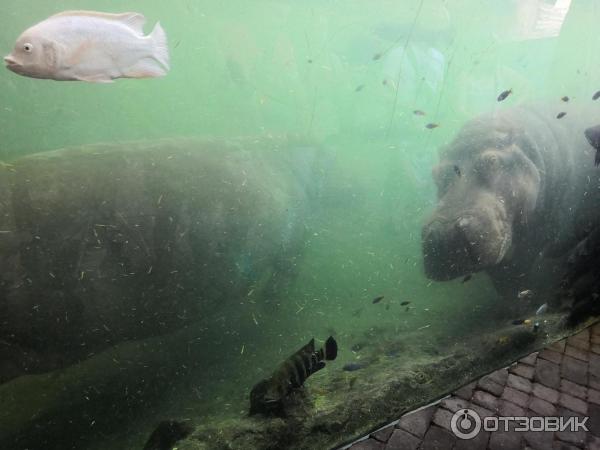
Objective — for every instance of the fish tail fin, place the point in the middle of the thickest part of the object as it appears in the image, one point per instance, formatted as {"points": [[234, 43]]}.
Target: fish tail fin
{"points": [[160, 48], [330, 349]]}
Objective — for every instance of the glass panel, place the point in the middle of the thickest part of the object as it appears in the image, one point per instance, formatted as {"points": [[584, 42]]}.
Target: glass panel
{"points": [[413, 179]]}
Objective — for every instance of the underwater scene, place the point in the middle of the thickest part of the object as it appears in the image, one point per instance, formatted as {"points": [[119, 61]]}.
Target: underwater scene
{"points": [[281, 224]]}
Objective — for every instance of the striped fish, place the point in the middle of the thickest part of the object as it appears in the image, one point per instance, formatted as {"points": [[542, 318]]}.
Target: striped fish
{"points": [[267, 395]]}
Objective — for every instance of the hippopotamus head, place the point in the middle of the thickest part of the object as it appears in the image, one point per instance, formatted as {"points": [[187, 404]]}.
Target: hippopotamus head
{"points": [[488, 183]]}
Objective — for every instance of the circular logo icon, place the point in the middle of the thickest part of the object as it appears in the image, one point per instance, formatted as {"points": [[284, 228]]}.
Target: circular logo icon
{"points": [[465, 424]]}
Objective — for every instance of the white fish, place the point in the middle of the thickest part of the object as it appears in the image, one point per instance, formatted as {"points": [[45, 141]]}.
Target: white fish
{"points": [[90, 46], [527, 293], [542, 309]]}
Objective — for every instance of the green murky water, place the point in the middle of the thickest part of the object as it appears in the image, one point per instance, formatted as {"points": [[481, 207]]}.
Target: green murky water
{"points": [[345, 75]]}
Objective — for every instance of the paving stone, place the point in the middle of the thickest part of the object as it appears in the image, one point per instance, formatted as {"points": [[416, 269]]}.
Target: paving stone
{"points": [[574, 370], [487, 384], [486, 400], [402, 440], [523, 370], [383, 434], [542, 407], [594, 382], [550, 355], [505, 440], [577, 438], [479, 442], [509, 409], [417, 422], [539, 440], [529, 359], [592, 442], [545, 393], [594, 364], [579, 342], [516, 397], [576, 352], [483, 412], [454, 403], [547, 373], [593, 423], [557, 346], [576, 390], [442, 418], [572, 403], [465, 392], [499, 376], [593, 396], [368, 444], [437, 439], [519, 383]]}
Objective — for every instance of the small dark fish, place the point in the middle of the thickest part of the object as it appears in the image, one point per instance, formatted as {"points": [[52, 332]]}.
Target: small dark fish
{"points": [[352, 382], [467, 278], [405, 303], [177, 43], [376, 56], [457, 171], [351, 367], [356, 347], [565, 98], [596, 96], [593, 137], [166, 435], [387, 306], [384, 82], [266, 397], [561, 114], [310, 61], [359, 88], [407, 308], [518, 322], [504, 94], [431, 126], [378, 299], [418, 112]]}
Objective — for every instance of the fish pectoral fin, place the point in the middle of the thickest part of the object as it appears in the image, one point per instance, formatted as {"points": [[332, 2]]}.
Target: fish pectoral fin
{"points": [[96, 79], [145, 68]]}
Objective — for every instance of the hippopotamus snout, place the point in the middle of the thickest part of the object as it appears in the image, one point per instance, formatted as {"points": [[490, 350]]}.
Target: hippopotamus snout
{"points": [[448, 248], [464, 244]]}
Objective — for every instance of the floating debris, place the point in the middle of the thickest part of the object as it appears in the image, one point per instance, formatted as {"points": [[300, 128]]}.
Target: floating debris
{"points": [[387, 307], [561, 114], [407, 309], [405, 303], [565, 98], [377, 56], [310, 61], [527, 293], [596, 96], [467, 278], [457, 172], [423, 327], [378, 299], [536, 327], [418, 112], [359, 88], [431, 126], [267, 395], [542, 309], [504, 94]]}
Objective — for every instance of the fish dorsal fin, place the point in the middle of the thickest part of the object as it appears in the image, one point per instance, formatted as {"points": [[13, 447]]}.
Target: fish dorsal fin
{"points": [[133, 20]]}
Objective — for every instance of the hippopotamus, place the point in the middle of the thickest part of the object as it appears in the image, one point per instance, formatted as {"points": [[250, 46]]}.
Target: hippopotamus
{"points": [[517, 190]]}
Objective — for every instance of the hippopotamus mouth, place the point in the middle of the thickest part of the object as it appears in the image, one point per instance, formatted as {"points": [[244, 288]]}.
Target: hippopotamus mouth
{"points": [[468, 243]]}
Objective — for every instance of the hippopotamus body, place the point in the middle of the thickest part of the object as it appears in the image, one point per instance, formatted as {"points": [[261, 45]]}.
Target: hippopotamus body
{"points": [[517, 190]]}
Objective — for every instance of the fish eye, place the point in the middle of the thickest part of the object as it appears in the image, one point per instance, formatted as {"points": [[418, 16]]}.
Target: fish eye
{"points": [[28, 47]]}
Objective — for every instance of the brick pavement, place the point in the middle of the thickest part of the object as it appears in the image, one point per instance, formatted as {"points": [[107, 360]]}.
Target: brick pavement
{"points": [[563, 379]]}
